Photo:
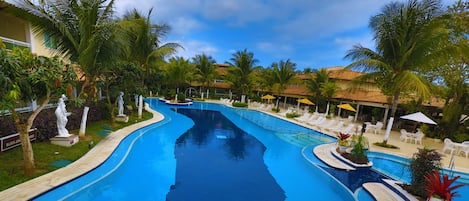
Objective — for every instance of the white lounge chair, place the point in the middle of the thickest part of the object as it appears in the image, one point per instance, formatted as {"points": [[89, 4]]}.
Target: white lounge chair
{"points": [[348, 129], [304, 117], [377, 128], [449, 146], [338, 126]]}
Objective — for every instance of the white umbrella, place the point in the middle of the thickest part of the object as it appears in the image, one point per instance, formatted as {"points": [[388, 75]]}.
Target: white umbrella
{"points": [[418, 117]]}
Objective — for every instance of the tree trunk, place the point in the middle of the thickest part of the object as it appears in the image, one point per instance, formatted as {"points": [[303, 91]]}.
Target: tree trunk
{"points": [[23, 128], [395, 101]]}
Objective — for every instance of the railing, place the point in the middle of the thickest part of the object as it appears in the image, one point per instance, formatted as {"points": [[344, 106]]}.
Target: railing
{"points": [[14, 43]]}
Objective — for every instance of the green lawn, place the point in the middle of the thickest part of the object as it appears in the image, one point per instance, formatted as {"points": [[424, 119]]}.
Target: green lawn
{"points": [[45, 153]]}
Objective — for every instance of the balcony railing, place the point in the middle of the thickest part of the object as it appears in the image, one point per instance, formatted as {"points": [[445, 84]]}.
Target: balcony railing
{"points": [[10, 43]]}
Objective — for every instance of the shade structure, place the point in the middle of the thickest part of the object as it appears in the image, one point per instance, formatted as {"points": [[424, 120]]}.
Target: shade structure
{"points": [[305, 101], [268, 97], [418, 117], [347, 106]]}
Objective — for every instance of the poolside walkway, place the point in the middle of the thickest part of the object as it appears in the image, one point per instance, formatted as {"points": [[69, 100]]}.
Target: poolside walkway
{"points": [[323, 152], [96, 156]]}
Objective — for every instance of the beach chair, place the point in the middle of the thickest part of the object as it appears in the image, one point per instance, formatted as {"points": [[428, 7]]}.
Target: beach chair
{"points": [[317, 121], [338, 126], [304, 117], [347, 129], [449, 145]]}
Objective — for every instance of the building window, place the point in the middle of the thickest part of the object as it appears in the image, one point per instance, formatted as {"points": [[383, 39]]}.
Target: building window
{"points": [[50, 42]]}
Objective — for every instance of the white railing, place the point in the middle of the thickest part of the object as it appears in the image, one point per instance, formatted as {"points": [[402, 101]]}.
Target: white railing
{"points": [[15, 42]]}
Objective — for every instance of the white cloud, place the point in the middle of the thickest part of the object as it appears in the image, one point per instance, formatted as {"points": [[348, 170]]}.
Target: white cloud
{"points": [[193, 47]]}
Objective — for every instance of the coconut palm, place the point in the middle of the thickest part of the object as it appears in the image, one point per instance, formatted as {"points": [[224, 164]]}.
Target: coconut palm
{"points": [[145, 46], [179, 72], [241, 70], [281, 75], [84, 32], [205, 69], [405, 35], [315, 85]]}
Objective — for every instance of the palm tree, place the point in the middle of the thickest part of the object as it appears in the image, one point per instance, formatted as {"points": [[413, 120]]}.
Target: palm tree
{"points": [[84, 31], [315, 85], [145, 46], [281, 75], [405, 35], [328, 90], [205, 69], [242, 66], [179, 72]]}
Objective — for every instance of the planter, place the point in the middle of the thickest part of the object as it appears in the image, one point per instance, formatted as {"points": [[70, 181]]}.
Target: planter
{"points": [[342, 149]]}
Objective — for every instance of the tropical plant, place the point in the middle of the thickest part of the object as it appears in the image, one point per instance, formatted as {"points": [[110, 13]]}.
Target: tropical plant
{"points": [[145, 46], [424, 162], [405, 35], [281, 75], [240, 73], [179, 72], [27, 77], [321, 86], [206, 69], [360, 145], [342, 139], [84, 32], [441, 188]]}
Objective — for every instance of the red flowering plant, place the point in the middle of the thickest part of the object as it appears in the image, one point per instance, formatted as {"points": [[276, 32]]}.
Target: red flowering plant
{"points": [[342, 138], [441, 188]]}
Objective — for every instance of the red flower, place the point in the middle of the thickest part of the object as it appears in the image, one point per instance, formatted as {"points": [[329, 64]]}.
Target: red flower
{"points": [[343, 136], [436, 186]]}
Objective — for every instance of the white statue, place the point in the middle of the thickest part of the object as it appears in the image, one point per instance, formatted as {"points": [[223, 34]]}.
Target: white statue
{"points": [[62, 114], [120, 104]]}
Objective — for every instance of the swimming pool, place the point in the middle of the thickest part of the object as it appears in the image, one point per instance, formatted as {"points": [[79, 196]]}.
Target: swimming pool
{"points": [[152, 163]]}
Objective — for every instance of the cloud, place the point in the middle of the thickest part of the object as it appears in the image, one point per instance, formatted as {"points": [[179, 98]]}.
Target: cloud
{"points": [[194, 47]]}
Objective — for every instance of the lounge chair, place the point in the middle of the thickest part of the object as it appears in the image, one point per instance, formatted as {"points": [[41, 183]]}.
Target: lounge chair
{"points": [[304, 117], [464, 148], [338, 126], [327, 123], [317, 121], [348, 129], [449, 145]]}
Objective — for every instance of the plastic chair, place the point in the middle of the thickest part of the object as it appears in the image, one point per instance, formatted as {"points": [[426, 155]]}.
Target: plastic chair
{"points": [[449, 145]]}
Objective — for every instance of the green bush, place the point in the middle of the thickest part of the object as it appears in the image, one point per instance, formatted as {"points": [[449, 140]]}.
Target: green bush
{"points": [[274, 109], [424, 162], [292, 115], [239, 104]]}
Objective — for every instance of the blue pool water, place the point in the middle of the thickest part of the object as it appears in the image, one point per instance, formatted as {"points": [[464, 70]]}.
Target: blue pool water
{"points": [[212, 152]]}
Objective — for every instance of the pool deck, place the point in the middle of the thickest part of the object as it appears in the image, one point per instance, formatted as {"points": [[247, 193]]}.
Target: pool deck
{"points": [[105, 147]]}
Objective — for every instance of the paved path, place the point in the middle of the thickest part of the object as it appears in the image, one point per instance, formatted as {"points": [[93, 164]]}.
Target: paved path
{"points": [[323, 152]]}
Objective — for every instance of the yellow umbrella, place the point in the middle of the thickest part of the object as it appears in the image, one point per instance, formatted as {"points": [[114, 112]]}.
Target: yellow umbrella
{"points": [[305, 101], [268, 97], [347, 106]]}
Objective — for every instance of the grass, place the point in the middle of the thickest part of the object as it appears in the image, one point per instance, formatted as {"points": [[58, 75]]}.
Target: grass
{"points": [[385, 145], [45, 153]]}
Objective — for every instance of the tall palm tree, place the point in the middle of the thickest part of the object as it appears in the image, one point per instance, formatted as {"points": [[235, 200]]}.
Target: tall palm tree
{"points": [[405, 35], [315, 85], [145, 46], [206, 69], [84, 31], [281, 75], [179, 72], [241, 70]]}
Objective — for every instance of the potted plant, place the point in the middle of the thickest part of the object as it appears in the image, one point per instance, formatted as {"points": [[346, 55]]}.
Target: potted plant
{"points": [[440, 189], [342, 141]]}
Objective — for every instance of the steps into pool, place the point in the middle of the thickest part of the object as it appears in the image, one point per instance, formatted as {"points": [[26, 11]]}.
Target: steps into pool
{"points": [[299, 139]]}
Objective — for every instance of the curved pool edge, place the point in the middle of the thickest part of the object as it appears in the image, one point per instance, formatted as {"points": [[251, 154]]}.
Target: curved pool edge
{"points": [[92, 159]]}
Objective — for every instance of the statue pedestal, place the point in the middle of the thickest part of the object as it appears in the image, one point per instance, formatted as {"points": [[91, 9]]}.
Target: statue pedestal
{"points": [[122, 118], [65, 141]]}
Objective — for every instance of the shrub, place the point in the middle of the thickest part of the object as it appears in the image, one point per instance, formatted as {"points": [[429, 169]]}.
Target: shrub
{"points": [[274, 109], [424, 162], [181, 98], [292, 115], [239, 104]]}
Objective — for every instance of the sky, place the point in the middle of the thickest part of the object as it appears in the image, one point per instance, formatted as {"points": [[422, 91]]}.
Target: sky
{"points": [[310, 33]]}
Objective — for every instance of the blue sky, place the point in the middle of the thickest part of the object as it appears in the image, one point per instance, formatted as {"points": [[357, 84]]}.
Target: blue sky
{"points": [[311, 33]]}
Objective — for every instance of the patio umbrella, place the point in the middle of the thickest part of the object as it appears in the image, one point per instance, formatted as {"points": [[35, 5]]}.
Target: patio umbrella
{"points": [[347, 106], [304, 101], [268, 97], [418, 117]]}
